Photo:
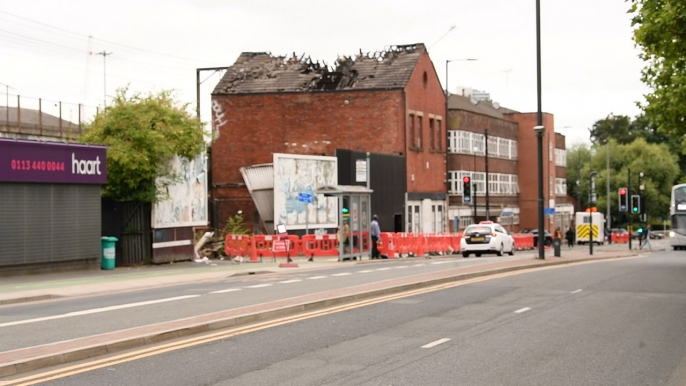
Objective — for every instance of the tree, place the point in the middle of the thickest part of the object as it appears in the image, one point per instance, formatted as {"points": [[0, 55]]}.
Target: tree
{"points": [[143, 133], [657, 163], [659, 27], [617, 127]]}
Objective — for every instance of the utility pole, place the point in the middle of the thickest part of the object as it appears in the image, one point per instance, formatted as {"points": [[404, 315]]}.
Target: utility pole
{"points": [[7, 101], [608, 220], [104, 72], [488, 212]]}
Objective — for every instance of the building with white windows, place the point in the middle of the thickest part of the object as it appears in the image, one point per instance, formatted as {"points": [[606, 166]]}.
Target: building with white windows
{"points": [[491, 145]]}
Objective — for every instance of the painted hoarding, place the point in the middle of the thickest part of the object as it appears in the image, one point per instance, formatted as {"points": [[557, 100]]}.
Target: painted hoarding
{"points": [[52, 162], [187, 202], [295, 174]]}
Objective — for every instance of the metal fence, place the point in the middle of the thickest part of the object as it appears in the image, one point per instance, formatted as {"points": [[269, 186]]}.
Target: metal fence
{"points": [[28, 117]]}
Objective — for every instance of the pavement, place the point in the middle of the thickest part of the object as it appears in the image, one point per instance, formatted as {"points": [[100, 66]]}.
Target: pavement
{"points": [[43, 287]]}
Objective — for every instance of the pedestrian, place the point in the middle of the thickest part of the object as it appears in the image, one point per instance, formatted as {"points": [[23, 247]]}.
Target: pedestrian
{"points": [[646, 237], [376, 236], [558, 234], [343, 234], [570, 237]]}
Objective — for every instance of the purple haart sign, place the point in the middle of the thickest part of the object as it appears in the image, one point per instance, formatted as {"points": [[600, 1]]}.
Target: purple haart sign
{"points": [[52, 162]]}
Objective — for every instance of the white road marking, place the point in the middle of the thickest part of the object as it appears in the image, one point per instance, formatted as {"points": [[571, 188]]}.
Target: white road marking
{"points": [[577, 291], [525, 309], [290, 281], [96, 310], [260, 285], [225, 291], [316, 277], [342, 274], [419, 265], [436, 343], [441, 262], [402, 266], [366, 271], [383, 269]]}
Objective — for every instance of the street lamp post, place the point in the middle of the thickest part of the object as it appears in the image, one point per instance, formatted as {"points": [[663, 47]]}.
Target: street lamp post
{"points": [[590, 211], [541, 231], [473, 181], [488, 212], [539, 133]]}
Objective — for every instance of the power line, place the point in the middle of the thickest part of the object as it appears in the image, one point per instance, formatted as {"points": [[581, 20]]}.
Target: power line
{"points": [[102, 40]]}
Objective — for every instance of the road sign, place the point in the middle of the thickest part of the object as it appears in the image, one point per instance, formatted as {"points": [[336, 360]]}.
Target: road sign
{"points": [[549, 211], [305, 197], [507, 212]]}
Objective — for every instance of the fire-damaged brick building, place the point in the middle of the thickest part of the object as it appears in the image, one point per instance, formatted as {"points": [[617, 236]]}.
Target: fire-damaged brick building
{"points": [[389, 102]]}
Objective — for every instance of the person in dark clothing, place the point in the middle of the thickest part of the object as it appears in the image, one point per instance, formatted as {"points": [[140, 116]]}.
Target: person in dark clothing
{"points": [[376, 235], [570, 237]]}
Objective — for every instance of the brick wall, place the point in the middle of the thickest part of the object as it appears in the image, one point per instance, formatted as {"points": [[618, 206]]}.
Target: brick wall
{"points": [[256, 126], [425, 96]]}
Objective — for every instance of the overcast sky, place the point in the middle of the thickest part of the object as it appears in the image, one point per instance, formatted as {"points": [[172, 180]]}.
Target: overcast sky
{"points": [[590, 65]]}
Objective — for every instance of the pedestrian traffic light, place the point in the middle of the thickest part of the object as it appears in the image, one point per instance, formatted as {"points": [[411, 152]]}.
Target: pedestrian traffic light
{"points": [[635, 204], [466, 190], [623, 203]]}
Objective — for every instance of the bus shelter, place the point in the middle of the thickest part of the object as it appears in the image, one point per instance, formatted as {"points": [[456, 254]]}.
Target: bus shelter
{"points": [[354, 220]]}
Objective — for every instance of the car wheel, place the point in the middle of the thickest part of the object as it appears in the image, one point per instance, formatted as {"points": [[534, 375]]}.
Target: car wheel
{"points": [[511, 253], [465, 254], [478, 254], [500, 251]]}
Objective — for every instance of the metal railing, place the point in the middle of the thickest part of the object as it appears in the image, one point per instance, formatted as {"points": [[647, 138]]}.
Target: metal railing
{"points": [[37, 118]]}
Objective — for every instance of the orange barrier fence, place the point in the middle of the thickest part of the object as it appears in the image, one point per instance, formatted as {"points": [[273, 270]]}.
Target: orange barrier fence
{"points": [[620, 237], [320, 245], [523, 241], [237, 245], [392, 245]]}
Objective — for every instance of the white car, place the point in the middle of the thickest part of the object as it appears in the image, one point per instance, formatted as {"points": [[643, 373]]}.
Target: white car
{"points": [[486, 237]]}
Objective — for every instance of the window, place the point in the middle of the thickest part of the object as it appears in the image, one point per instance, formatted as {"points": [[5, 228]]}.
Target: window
{"points": [[465, 221], [413, 218], [479, 184], [513, 149], [453, 141], [439, 135], [561, 186], [503, 148], [432, 135], [514, 184], [561, 157], [412, 130], [437, 212], [505, 187], [493, 183], [492, 146], [420, 131], [550, 151]]}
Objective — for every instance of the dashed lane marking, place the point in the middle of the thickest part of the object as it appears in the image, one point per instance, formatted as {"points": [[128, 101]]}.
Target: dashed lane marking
{"points": [[525, 309], [260, 285], [342, 274], [290, 281], [316, 277], [577, 291], [436, 343], [226, 290]]}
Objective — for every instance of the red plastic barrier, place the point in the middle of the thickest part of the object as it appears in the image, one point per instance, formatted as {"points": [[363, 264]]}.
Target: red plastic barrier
{"points": [[455, 239], [262, 247], [237, 245], [523, 241], [319, 245], [386, 244], [620, 237]]}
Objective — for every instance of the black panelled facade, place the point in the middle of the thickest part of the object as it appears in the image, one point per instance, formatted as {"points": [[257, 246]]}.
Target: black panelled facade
{"points": [[388, 181]]}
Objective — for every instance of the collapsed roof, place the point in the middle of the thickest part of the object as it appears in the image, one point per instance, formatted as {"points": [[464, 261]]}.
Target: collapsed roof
{"points": [[261, 72]]}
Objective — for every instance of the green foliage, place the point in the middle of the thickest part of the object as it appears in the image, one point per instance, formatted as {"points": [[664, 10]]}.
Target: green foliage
{"points": [[235, 226], [658, 164], [143, 134], [659, 27]]}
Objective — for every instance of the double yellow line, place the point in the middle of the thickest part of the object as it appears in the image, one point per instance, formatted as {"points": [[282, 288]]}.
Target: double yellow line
{"points": [[211, 337]]}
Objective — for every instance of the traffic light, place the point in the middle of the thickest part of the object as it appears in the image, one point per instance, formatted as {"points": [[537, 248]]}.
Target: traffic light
{"points": [[345, 210], [466, 190], [623, 203], [635, 204]]}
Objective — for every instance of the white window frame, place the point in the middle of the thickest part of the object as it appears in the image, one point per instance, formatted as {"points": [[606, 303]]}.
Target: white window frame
{"points": [[514, 183], [437, 213], [561, 186], [414, 217], [493, 183]]}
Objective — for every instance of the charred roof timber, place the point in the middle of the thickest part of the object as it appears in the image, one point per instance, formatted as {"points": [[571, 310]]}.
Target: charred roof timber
{"points": [[262, 72]]}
